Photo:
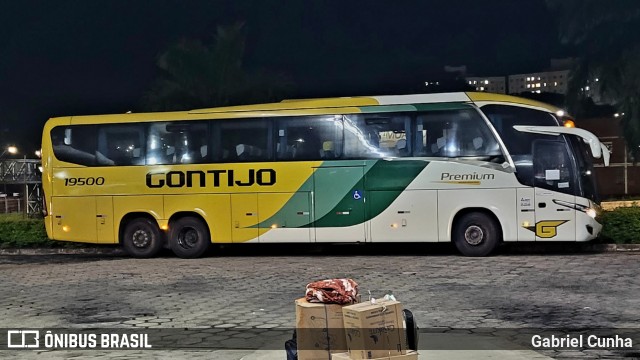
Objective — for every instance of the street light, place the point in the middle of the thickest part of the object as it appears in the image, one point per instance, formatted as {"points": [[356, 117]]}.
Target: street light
{"points": [[9, 149]]}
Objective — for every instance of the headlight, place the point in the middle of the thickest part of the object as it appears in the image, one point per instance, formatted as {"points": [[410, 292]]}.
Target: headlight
{"points": [[591, 212]]}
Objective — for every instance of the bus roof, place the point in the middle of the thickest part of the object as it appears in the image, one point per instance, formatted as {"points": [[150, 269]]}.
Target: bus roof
{"points": [[357, 101], [354, 104]]}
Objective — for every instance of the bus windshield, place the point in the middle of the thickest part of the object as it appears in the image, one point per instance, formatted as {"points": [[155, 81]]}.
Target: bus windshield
{"points": [[528, 149], [584, 162]]}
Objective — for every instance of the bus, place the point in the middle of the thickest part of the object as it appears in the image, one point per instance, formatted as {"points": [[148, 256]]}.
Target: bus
{"points": [[475, 169]]}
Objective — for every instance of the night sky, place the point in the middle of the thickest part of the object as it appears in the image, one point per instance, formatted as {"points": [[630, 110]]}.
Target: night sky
{"points": [[89, 57]]}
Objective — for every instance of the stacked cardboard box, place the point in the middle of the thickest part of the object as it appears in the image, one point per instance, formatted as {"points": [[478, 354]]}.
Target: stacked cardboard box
{"points": [[374, 330], [361, 331], [319, 329], [410, 355]]}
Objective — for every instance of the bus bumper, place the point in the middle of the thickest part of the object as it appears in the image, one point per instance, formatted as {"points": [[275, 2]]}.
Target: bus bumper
{"points": [[48, 226], [587, 228]]}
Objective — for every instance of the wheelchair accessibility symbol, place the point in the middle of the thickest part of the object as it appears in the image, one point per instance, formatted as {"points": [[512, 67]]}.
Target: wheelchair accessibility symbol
{"points": [[356, 195]]}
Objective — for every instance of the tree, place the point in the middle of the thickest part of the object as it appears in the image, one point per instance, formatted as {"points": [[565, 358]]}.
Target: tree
{"points": [[606, 38], [196, 75]]}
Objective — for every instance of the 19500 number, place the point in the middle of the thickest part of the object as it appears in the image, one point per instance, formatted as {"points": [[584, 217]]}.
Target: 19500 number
{"points": [[88, 181]]}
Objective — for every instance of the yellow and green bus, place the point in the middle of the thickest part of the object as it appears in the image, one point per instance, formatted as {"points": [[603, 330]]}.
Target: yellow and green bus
{"points": [[475, 169]]}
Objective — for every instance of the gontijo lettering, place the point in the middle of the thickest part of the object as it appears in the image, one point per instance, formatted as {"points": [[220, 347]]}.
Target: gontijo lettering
{"points": [[211, 178]]}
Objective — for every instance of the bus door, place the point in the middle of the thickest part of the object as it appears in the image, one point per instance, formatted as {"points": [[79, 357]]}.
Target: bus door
{"points": [[74, 218], [84, 218], [104, 220], [555, 182], [244, 217], [338, 200], [285, 217]]}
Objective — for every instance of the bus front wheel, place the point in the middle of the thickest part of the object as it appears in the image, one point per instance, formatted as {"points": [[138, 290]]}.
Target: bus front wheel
{"points": [[142, 238], [476, 234], [189, 238]]}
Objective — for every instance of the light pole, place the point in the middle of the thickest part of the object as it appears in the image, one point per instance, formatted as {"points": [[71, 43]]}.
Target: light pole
{"points": [[9, 149]]}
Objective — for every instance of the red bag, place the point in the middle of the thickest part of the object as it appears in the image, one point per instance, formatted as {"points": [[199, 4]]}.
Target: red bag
{"points": [[332, 291]]}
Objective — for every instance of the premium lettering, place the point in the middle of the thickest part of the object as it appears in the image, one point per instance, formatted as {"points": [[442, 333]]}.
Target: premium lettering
{"points": [[466, 177], [211, 178]]}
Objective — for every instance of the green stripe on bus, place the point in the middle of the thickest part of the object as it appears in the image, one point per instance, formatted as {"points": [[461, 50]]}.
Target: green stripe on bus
{"points": [[387, 108], [333, 189], [387, 179]]}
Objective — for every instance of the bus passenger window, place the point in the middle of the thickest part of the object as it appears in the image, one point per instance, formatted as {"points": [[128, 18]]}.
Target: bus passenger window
{"points": [[377, 135], [77, 145], [245, 140], [455, 133], [122, 143], [309, 138], [177, 143]]}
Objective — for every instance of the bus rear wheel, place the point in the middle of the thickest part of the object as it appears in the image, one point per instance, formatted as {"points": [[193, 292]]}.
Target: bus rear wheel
{"points": [[476, 234], [142, 238], [189, 238]]}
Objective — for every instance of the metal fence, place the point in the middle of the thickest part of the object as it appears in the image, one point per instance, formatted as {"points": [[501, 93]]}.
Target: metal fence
{"points": [[11, 204], [24, 175]]}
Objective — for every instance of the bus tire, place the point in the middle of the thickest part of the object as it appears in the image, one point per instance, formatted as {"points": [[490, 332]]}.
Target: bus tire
{"points": [[189, 238], [476, 234], [142, 238]]}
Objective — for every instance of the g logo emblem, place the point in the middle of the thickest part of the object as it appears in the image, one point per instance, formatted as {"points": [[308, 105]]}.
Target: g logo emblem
{"points": [[548, 229]]}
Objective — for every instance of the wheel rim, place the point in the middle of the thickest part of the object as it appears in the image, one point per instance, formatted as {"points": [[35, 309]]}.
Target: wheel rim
{"points": [[141, 238], [188, 238], [473, 235]]}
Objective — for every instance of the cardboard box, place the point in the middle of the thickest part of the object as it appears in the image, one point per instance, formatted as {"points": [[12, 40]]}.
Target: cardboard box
{"points": [[410, 355], [375, 330], [319, 329]]}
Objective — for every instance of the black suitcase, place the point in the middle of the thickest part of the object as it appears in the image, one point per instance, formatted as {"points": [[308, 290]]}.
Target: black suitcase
{"points": [[411, 329], [291, 347]]}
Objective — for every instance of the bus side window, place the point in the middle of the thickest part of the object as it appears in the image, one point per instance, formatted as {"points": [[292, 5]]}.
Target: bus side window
{"points": [[309, 137], [454, 133], [246, 140], [178, 142], [377, 135], [122, 143], [77, 145]]}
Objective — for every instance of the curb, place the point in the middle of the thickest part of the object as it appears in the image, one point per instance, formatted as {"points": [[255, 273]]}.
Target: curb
{"points": [[63, 251], [554, 248], [616, 247], [513, 248]]}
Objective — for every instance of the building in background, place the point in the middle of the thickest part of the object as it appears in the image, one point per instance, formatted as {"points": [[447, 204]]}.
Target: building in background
{"points": [[552, 80], [539, 82], [492, 84]]}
